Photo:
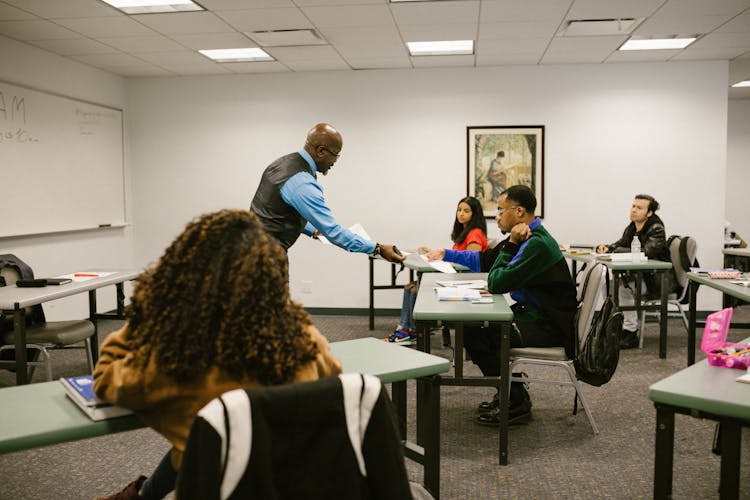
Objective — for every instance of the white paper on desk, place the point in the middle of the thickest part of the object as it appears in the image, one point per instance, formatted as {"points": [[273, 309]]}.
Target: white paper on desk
{"points": [[454, 293], [740, 282], [78, 279], [356, 229], [438, 265], [475, 284]]}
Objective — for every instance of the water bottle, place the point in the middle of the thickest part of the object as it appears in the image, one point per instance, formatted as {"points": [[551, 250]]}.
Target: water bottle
{"points": [[635, 248]]}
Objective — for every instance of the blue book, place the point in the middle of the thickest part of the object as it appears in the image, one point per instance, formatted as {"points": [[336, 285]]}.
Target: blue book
{"points": [[81, 390]]}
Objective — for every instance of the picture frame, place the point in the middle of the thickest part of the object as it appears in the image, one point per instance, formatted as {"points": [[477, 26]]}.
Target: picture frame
{"points": [[501, 156]]}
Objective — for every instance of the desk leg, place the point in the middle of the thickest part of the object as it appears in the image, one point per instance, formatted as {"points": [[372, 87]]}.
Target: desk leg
{"points": [[504, 390], [93, 319], [398, 396], [729, 485], [664, 452], [614, 292], [663, 317], [693, 293], [458, 353], [372, 294], [423, 337], [428, 417], [120, 292], [19, 330]]}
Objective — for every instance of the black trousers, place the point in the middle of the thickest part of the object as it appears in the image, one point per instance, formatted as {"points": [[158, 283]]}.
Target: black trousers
{"points": [[483, 344]]}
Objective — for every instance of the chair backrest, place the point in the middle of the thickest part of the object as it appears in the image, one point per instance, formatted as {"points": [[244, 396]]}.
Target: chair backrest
{"points": [[332, 438], [681, 263], [11, 270], [591, 298]]}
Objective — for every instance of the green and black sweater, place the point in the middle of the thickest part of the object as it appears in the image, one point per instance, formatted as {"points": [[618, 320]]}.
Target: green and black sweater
{"points": [[536, 276]]}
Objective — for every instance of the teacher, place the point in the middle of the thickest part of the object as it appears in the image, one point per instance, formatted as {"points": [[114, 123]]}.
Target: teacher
{"points": [[289, 201]]}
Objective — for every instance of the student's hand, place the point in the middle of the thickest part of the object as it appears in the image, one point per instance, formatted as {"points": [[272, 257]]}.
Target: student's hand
{"points": [[602, 249], [437, 254], [520, 233], [424, 250], [315, 234], [391, 253]]}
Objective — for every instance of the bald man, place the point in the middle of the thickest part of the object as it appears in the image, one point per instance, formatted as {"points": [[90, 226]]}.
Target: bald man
{"points": [[289, 201]]}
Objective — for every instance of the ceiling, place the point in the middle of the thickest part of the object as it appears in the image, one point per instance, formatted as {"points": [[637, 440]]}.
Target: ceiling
{"points": [[369, 34]]}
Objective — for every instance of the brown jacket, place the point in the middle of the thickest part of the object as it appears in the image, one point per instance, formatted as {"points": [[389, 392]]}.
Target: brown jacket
{"points": [[170, 408]]}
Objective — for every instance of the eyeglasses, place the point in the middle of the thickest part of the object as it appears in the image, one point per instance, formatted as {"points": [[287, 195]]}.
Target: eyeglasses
{"points": [[501, 211], [336, 155]]}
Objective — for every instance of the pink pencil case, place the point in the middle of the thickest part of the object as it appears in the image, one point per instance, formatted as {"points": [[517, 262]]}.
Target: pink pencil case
{"points": [[715, 345]]}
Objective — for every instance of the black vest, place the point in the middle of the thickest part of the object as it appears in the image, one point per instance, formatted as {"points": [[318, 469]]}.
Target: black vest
{"points": [[280, 220]]}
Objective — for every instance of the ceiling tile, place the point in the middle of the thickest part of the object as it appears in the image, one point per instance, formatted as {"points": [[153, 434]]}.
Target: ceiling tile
{"points": [[524, 10], [257, 67], [76, 46], [318, 65], [349, 15], [56, 9], [590, 49], [683, 24], [217, 5], [184, 57], [362, 34], [184, 23], [502, 59], [444, 12], [147, 70], [371, 50], [704, 7], [426, 32], [265, 19], [363, 63], [722, 40], [521, 29], [35, 30], [286, 54], [106, 26], [612, 9], [739, 24], [142, 44], [308, 3], [535, 46], [197, 70], [442, 61], [10, 13], [699, 53], [215, 41], [110, 60], [641, 55]]}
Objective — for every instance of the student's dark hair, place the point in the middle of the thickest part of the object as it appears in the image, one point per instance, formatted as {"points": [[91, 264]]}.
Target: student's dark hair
{"points": [[521, 195], [653, 205], [477, 220], [219, 296]]}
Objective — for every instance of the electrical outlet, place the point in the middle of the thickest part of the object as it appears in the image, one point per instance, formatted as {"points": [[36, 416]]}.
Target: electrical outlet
{"points": [[306, 286]]}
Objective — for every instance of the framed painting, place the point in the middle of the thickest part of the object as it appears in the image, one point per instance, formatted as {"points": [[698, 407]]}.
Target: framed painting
{"points": [[503, 156]]}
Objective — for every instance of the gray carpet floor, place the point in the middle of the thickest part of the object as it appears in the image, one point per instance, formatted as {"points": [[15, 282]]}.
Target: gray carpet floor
{"points": [[556, 455]]}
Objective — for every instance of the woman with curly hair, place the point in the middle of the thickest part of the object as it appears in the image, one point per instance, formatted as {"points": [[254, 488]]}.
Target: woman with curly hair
{"points": [[213, 315]]}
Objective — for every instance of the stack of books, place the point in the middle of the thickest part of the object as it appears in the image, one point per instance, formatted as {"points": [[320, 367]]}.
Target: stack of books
{"points": [[81, 390]]}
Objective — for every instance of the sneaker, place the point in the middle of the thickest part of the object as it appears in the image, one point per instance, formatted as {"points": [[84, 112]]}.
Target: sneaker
{"points": [[518, 393], [629, 340], [131, 492], [402, 337], [517, 414], [488, 406]]}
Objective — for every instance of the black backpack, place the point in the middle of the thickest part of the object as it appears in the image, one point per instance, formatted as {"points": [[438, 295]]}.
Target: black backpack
{"points": [[597, 359]]}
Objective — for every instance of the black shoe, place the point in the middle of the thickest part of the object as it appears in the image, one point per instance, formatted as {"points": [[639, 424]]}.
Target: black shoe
{"points": [[517, 414], [487, 406], [629, 340], [518, 394]]}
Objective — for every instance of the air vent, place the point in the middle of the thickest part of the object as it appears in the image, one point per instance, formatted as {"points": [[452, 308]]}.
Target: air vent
{"points": [[286, 38], [600, 27]]}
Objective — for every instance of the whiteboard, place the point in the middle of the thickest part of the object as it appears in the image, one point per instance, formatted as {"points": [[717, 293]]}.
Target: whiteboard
{"points": [[61, 161]]}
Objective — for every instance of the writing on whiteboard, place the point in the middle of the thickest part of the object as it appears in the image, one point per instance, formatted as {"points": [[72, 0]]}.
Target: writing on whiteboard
{"points": [[12, 108]]}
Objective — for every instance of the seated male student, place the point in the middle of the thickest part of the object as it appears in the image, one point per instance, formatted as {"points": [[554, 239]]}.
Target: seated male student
{"points": [[649, 229], [528, 264]]}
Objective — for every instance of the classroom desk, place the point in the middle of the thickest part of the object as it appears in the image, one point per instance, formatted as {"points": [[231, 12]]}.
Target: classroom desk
{"points": [[41, 414], [701, 391], [621, 268], [428, 311], [737, 258], [391, 286], [17, 300], [728, 289]]}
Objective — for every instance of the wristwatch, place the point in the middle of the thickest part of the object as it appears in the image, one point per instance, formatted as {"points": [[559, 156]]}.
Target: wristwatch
{"points": [[376, 252]]}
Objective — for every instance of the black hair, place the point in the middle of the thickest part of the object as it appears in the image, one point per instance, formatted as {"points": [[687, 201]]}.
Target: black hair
{"points": [[653, 205], [477, 220], [523, 196]]}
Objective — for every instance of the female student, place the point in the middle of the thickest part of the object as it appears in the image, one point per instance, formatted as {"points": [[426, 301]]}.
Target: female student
{"points": [[212, 316], [469, 233]]}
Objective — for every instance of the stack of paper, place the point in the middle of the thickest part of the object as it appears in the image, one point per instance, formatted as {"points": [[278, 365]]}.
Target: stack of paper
{"points": [[81, 390], [623, 257], [457, 293]]}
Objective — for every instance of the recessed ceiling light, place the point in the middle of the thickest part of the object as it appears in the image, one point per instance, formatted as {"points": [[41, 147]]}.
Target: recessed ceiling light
{"points": [[441, 48], [153, 6], [248, 54], [744, 83], [658, 43], [600, 27]]}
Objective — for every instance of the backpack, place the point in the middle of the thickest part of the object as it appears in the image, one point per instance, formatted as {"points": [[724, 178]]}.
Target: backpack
{"points": [[597, 359], [684, 264]]}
